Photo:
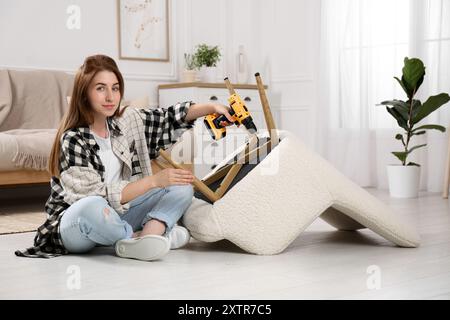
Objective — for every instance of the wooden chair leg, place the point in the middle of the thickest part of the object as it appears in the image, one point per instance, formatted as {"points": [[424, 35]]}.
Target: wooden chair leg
{"points": [[200, 185], [228, 179], [270, 122], [447, 171], [231, 172], [218, 175], [159, 165]]}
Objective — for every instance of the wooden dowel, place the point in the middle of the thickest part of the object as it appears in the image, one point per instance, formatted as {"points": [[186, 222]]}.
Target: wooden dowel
{"points": [[157, 166], [265, 103], [229, 86], [270, 122]]}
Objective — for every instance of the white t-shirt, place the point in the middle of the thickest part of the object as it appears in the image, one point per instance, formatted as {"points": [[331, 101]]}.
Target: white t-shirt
{"points": [[112, 164]]}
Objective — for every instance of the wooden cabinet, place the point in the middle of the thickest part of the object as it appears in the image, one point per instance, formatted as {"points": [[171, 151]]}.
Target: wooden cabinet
{"points": [[207, 152]]}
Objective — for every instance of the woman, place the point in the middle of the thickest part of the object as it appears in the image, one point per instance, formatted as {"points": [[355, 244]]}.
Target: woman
{"points": [[103, 191]]}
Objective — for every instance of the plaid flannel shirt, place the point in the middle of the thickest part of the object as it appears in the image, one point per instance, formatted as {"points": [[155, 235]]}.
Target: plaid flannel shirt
{"points": [[136, 138]]}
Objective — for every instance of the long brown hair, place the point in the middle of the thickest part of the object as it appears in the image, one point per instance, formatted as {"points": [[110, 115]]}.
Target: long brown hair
{"points": [[80, 113]]}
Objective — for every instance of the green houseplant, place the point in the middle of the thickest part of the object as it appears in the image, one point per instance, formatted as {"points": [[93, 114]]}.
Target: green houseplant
{"points": [[190, 61], [207, 58], [404, 178], [190, 67]]}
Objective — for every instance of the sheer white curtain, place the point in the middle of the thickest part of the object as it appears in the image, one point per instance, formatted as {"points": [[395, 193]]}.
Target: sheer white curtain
{"points": [[362, 47]]}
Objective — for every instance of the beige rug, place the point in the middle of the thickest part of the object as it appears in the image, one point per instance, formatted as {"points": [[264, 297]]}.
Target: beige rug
{"points": [[22, 209], [21, 222]]}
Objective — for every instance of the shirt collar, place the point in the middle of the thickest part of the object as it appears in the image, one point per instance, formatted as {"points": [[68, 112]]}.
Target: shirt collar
{"points": [[87, 135], [114, 126]]}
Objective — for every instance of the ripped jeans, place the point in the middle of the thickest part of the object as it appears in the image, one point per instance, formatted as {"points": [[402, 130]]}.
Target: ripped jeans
{"points": [[91, 221]]}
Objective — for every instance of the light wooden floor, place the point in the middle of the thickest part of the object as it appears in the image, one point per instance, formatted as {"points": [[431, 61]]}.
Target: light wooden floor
{"points": [[321, 264]]}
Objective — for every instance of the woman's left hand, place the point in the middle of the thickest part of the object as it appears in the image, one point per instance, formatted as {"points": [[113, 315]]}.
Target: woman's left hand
{"points": [[221, 109]]}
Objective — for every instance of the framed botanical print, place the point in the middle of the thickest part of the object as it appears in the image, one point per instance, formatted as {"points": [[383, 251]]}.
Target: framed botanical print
{"points": [[143, 29]]}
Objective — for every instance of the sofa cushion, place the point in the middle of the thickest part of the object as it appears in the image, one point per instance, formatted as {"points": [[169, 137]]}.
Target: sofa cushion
{"points": [[33, 99], [5, 95]]}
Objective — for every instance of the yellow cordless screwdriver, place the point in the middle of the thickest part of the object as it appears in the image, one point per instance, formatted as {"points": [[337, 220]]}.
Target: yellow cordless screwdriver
{"points": [[216, 123]]}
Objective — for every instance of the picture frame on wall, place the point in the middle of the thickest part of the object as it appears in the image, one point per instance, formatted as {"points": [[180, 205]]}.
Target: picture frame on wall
{"points": [[143, 28]]}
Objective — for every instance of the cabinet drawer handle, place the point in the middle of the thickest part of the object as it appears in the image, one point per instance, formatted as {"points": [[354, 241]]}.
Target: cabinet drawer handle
{"points": [[213, 98], [248, 99]]}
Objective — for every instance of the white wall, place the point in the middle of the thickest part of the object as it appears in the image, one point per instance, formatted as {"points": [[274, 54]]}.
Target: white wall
{"points": [[280, 39], [290, 46], [34, 35]]}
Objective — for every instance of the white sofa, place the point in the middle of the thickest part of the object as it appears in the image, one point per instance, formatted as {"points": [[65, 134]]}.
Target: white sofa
{"points": [[32, 104]]}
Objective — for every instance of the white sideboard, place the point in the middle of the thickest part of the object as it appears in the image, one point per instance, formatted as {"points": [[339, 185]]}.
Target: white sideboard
{"points": [[207, 152]]}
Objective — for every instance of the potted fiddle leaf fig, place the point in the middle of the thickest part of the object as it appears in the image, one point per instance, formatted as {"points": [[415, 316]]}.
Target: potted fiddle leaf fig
{"points": [[404, 178]]}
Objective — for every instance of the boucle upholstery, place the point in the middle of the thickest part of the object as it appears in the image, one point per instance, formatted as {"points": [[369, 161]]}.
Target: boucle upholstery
{"points": [[263, 213]]}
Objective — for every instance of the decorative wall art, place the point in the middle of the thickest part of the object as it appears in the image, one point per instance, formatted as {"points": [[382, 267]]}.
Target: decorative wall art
{"points": [[143, 29]]}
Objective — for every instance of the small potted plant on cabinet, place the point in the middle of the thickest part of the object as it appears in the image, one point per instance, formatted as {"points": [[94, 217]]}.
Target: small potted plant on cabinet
{"points": [[207, 58], [190, 68], [404, 178]]}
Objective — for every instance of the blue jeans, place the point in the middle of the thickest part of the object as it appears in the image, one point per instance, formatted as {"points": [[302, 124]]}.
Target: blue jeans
{"points": [[91, 221]]}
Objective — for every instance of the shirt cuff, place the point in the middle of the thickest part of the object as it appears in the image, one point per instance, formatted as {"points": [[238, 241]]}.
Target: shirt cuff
{"points": [[114, 195], [181, 110]]}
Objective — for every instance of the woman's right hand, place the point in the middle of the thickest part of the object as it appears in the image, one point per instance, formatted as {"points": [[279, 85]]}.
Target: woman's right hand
{"points": [[171, 176]]}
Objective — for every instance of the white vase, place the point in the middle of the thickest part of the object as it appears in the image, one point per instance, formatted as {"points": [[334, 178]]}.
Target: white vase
{"points": [[189, 76], [403, 181], [208, 74]]}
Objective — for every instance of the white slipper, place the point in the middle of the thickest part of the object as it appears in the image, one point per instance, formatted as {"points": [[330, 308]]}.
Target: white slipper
{"points": [[148, 248], [178, 237]]}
